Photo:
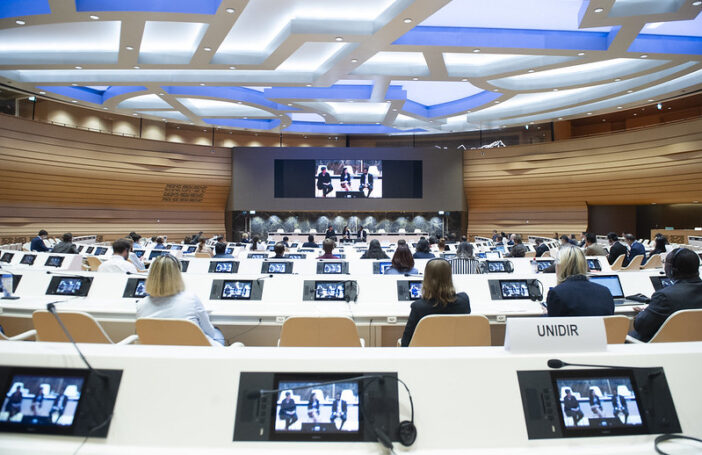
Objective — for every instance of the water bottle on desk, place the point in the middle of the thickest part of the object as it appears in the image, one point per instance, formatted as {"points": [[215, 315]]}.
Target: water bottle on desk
{"points": [[7, 286]]}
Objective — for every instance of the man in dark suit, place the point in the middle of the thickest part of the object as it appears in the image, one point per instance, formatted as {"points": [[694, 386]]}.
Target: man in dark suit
{"points": [[635, 249], [37, 243], [683, 267], [518, 250], [366, 181], [288, 410], [339, 410], [572, 407], [541, 247], [324, 182], [310, 242], [330, 233], [66, 245], [616, 249], [619, 405]]}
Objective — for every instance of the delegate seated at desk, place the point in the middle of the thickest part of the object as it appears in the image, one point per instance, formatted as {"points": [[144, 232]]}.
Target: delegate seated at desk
{"points": [[616, 249], [402, 262], [635, 249], [119, 262], [221, 251], [66, 245], [310, 243], [37, 243]]}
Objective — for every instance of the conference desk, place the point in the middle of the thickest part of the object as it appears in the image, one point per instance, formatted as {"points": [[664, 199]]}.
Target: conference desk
{"points": [[183, 400]]}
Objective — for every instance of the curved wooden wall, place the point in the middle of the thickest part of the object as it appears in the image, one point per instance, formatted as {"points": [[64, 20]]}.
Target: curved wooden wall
{"points": [[67, 180], [546, 188]]}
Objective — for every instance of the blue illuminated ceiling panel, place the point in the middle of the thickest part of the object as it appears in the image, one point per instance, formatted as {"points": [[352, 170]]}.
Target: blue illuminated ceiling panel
{"points": [[360, 67]]}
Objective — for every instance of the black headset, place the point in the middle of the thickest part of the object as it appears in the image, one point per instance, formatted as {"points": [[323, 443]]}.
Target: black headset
{"points": [[673, 268]]}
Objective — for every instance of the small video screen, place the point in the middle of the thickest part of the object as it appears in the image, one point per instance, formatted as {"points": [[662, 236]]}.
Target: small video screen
{"points": [[271, 248], [7, 257], [481, 255], [331, 268], [223, 267], [383, 267], [140, 290], [309, 407], [139, 253], [229, 251], [99, 251], [348, 178], [594, 264], [38, 400], [516, 289], [256, 255], [611, 282], [329, 290], [296, 256], [191, 249], [494, 267], [236, 290], [176, 247], [89, 250], [415, 289], [542, 265], [156, 253], [276, 267], [598, 403], [665, 282], [500, 248], [54, 261], [28, 259], [69, 286]]}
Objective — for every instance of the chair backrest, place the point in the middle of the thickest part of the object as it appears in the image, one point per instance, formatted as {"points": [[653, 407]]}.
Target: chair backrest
{"points": [[319, 332], [171, 332], [202, 255], [82, 327], [547, 254], [634, 265], [683, 325], [530, 254], [452, 330], [617, 264], [654, 262], [616, 327]]}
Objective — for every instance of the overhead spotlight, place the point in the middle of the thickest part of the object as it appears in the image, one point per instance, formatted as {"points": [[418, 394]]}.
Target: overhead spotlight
{"points": [[530, 71], [339, 38], [464, 80], [163, 119], [129, 48], [136, 67], [93, 17], [161, 94], [415, 78], [651, 101], [105, 108], [618, 79], [589, 113], [560, 118], [79, 67], [308, 85], [475, 51], [696, 3], [289, 104], [526, 127], [407, 20], [232, 67], [394, 110], [230, 10], [202, 84], [238, 102], [207, 49], [74, 84], [619, 107], [354, 60], [580, 54], [32, 98], [246, 118], [644, 56], [630, 91], [135, 114], [18, 22], [599, 10], [42, 93], [74, 101], [497, 102]]}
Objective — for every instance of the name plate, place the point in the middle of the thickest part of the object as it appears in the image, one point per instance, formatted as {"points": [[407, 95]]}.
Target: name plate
{"points": [[575, 334]]}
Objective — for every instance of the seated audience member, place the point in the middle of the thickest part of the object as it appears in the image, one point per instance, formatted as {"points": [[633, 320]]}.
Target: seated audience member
{"points": [[167, 298], [583, 239], [432, 243], [659, 244], [37, 243], [330, 234], [244, 238], [575, 295], [592, 248], [683, 267], [279, 250], [195, 239], [442, 245], [257, 244], [118, 262], [159, 244], [541, 247], [374, 251], [221, 251], [510, 240], [133, 258], [402, 262], [286, 241], [402, 242], [518, 250], [635, 249], [310, 243], [66, 245], [565, 240], [495, 235], [464, 238], [362, 233], [328, 246], [203, 248], [573, 241], [137, 239], [187, 239], [422, 250], [465, 262], [438, 297], [616, 249]]}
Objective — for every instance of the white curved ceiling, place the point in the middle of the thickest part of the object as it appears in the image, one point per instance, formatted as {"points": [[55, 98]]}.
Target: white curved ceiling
{"points": [[367, 66]]}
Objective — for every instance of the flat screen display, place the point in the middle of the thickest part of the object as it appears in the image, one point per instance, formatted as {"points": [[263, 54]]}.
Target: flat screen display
{"points": [[40, 402], [598, 405], [229, 250], [176, 247], [309, 408], [276, 267], [541, 265], [257, 255], [69, 286], [156, 253], [329, 290], [236, 290], [500, 248], [665, 282], [99, 251], [383, 267], [611, 282], [90, 249], [140, 290], [494, 267], [415, 290], [331, 268], [191, 249], [296, 256], [514, 289], [594, 264], [336, 177], [223, 267], [28, 259], [481, 255], [7, 257], [139, 253], [54, 261]]}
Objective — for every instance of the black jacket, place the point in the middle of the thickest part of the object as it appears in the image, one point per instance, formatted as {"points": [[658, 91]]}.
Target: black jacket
{"points": [[577, 296], [421, 308], [616, 250], [65, 247], [683, 295], [541, 249]]}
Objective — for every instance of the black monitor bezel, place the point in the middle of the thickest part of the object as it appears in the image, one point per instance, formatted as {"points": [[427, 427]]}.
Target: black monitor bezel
{"points": [[139, 253], [213, 266], [490, 261], [338, 263], [60, 261], [598, 265], [153, 254], [83, 291], [224, 284], [5, 255], [267, 264], [33, 256], [89, 250], [102, 250], [131, 287], [335, 299], [550, 262], [526, 283]]}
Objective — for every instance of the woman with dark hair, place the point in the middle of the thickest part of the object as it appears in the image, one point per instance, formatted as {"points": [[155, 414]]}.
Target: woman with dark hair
{"points": [[402, 262], [345, 179], [438, 297], [422, 250], [313, 408], [660, 243], [257, 245], [595, 403], [465, 262], [374, 251], [346, 233]]}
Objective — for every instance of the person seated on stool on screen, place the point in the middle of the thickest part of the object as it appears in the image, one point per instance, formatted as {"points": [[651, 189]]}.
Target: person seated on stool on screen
{"points": [[324, 182], [438, 297], [328, 246], [330, 234], [374, 251], [572, 407], [362, 233], [167, 298], [616, 249], [575, 295], [339, 410], [37, 243], [288, 410], [366, 182], [465, 262], [310, 243], [119, 262], [635, 249], [345, 179], [683, 267], [422, 251], [402, 262]]}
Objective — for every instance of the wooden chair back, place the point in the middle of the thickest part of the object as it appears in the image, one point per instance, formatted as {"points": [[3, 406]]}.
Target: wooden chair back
{"points": [[683, 325], [203, 255], [170, 332], [333, 332], [634, 265], [82, 327], [93, 263], [452, 330], [617, 327], [617, 264], [654, 262]]}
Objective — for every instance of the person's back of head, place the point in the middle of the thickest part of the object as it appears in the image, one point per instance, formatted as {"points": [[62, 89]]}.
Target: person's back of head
{"points": [[153, 239], [401, 242], [279, 249], [590, 238], [442, 244], [159, 240], [423, 246], [630, 238], [221, 239], [67, 237], [328, 246], [43, 233], [254, 242], [682, 264], [402, 260], [310, 238], [571, 261], [202, 242], [538, 241], [187, 240], [432, 240], [437, 286], [286, 238], [564, 239], [517, 239], [121, 246], [464, 251], [164, 278], [464, 238], [612, 237], [220, 248], [134, 236], [660, 243]]}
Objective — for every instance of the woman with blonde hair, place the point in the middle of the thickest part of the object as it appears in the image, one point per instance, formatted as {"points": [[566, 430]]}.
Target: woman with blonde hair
{"points": [[575, 295], [438, 297], [167, 298]]}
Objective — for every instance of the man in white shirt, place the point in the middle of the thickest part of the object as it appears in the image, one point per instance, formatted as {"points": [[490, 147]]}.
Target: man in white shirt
{"points": [[118, 263]]}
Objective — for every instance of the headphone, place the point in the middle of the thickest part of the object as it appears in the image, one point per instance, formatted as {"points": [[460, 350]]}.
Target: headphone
{"points": [[673, 268]]}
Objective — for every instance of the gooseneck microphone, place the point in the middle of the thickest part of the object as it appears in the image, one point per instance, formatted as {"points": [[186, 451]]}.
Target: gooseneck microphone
{"points": [[558, 363]]}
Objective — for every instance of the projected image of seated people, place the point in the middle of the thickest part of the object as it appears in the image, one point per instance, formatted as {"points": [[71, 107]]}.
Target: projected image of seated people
{"points": [[329, 291], [38, 400], [598, 403], [332, 268], [236, 290], [276, 267], [318, 408], [349, 178], [69, 286], [223, 267], [415, 289], [514, 289], [140, 290], [496, 267]]}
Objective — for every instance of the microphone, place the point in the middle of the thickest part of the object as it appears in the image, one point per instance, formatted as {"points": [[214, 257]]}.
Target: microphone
{"points": [[558, 363], [67, 275], [137, 273]]}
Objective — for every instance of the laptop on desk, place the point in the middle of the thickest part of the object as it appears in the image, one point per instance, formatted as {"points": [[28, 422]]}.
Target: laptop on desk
{"points": [[612, 283]]}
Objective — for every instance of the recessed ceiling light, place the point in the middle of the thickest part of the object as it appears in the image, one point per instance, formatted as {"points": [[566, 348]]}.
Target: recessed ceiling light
{"points": [[129, 48], [309, 85], [407, 20], [136, 67], [74, 101], [589, 113], [350, 101], [696, 3], [530, 71], [232, 67], [635, 114], [339, 38], [230, 10], [42, 93], [238, 102], [494, 90], [560, 118], [644, 55], [202, 84], [161, 94], [604, 120], [415, 78], [79, 67], [207, 49], [134, 114], [245, 118], [74, 84], [497, 102], [18, 22], [341, 123], [289, 104], [163, 119], [464, 80], [105, 108], [476, 50], [650, 101], [354, 60], [581, 54], [630, 91], [619, 107], [93, 17], [599, 10], [618, 79]]}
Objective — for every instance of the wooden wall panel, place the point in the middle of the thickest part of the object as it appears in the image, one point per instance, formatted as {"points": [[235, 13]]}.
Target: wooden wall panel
{"points": [[62, 179], [546, 188]]}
